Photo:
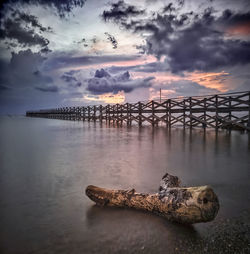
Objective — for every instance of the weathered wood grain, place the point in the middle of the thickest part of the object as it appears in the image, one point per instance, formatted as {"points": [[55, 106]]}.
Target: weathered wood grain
{"points": [[180, 204]]}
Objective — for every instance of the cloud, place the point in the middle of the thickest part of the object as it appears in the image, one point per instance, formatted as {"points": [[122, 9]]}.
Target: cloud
{"points": [[189, 88], [181, 88], [62, 7], [205, 50], [121, 11], [148, 68], [29, 87], [21, 29], [104, 82], [29, 19], [27, 37], [192, 41], [69, 78], [112, 39], [23, 70], [230, 19], [62, 60], [31, 60]]}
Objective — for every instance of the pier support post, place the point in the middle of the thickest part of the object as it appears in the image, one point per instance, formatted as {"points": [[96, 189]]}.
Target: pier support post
{"points": [[114, 112], [169, 113], [153, 113], [100, 115], [205, 112], [127, 116], [190, 112], [140, 114], [83, 113], [248, 122], [184, 113], [88, 113], [94, 113], [216, 112], [117, 113], [108, 113]]}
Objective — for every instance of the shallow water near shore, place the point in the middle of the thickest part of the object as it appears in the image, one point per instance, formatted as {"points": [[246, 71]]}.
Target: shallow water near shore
{"points": [[47, 164]]}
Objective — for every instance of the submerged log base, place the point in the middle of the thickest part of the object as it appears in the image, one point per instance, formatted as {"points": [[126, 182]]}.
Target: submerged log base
{"points": [[185, 205]]}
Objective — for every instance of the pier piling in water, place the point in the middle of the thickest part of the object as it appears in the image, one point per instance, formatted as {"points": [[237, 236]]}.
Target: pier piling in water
{"points": [[229, 111]]}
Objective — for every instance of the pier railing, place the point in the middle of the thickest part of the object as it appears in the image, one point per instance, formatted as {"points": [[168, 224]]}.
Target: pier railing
{"points": [[231, 110]]}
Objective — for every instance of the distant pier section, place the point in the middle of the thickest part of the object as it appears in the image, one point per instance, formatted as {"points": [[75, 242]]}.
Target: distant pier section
{"points": [[228, 111]]}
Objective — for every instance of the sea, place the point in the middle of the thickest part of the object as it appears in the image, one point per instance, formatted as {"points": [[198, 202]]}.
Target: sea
{"points": [[46, 164]]}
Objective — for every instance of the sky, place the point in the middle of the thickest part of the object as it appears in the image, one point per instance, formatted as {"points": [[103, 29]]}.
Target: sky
{"points": [[89, 52]]}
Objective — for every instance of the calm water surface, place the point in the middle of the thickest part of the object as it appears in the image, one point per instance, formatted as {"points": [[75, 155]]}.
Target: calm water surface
{"points": [[47, 164]]}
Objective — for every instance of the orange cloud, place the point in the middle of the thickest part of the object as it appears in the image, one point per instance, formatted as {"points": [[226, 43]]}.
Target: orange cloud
{"points": [[240, 29], [107, 98], [210, 79], [214, 80]]}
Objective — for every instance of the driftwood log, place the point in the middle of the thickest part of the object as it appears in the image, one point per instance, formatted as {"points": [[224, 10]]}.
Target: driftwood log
{"points": [[181, 204]]}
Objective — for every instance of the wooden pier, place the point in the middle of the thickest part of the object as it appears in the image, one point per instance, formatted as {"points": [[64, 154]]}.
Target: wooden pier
{"points": [[230, 111]]}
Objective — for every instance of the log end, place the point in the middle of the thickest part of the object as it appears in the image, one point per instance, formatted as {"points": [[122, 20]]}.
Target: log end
{"points": [[98, 195], [199, 204], [209, 203]]}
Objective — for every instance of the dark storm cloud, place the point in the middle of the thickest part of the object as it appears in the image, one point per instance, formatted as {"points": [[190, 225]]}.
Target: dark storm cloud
{"points": [[201, 48], [29, 87], [23, 71], [62, 60], [31, 60], [13, 30], [29, 19], [10, 44], [121, 11], [228, 18], [171, 7], [45, 50], [104, 82], [22, 29], [192, 41], [112, 39], [62, 7], [51, 89]]}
